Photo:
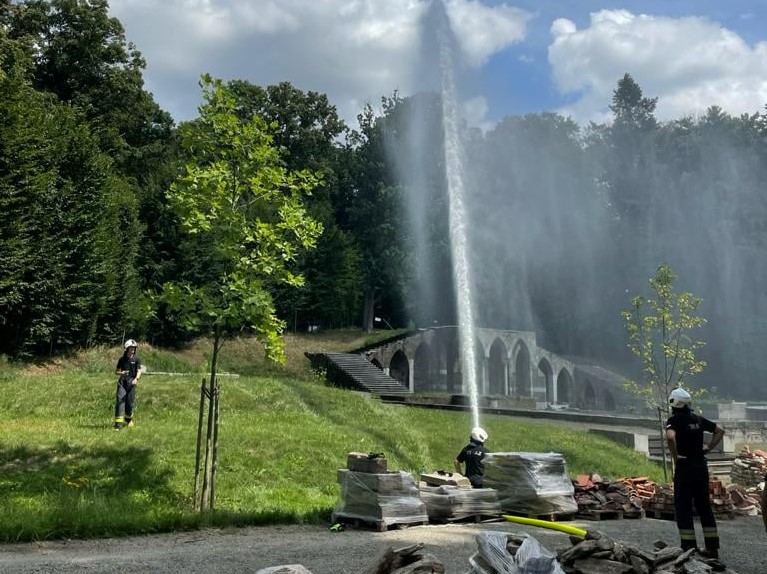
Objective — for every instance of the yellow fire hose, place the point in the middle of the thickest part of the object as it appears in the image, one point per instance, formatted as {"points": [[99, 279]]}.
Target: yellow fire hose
{"points": [[566, 528]]}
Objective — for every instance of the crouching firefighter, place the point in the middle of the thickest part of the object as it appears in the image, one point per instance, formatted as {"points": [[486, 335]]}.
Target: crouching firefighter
{"points": [[129, 371], [473, 454], [684, 434]]}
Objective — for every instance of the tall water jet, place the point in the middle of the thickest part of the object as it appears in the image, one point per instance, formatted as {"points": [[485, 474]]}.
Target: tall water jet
{"points": [[458, 217]]}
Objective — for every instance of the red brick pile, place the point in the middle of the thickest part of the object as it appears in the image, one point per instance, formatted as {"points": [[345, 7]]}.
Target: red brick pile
{"points": [[749, 467], [593, 494], [663, 499]]}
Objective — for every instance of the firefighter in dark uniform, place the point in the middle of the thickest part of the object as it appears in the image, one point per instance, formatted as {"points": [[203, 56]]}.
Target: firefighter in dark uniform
{"points": [[764, 503], [129, 370], [684, 434], [472, 455]]}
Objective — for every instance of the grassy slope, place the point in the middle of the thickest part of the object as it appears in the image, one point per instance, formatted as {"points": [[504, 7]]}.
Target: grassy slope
{"points": [[63, 472]]}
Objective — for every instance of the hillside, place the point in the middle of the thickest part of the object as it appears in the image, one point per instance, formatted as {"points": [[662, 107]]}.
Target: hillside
{"points": [[284, 433]]}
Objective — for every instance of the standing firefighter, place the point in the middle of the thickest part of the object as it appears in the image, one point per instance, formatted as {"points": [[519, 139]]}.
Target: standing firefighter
{"points": [[472, 455], [684, 433], [129, 370]]}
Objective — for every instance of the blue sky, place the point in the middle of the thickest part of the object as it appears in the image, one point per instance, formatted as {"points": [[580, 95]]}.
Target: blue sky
{"points": [[524, 56]]}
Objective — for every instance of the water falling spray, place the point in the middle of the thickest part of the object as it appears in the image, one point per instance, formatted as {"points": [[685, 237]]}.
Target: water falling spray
{"points": [[458, 220]]}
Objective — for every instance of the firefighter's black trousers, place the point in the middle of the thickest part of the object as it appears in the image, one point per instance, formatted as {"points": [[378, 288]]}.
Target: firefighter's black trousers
{"points": [[126, 396], [691, 487]]}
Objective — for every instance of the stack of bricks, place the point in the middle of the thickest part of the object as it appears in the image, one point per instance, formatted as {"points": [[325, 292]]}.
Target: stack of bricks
{"points": [[721, 501], [640, 487], [371, 494], [662, 500], [749, 467], [594, 494]]}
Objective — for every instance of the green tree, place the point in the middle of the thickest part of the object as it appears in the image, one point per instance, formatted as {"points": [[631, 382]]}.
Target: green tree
{"points": [[245, 214], [375, 213], [308, 132], [81, 56], [55, 188], [660, 332]]}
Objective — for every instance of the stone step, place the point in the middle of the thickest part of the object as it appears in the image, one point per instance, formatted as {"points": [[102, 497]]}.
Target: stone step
{"points": [[355, 371]]}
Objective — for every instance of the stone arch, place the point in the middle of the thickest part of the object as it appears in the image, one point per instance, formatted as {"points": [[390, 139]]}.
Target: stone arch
{"points": [[496, 368], [377, 363], [399, 368], [548, 375], [479, 366], [422, 368], [589, 395], [454, 377], [608, 401], [564, 386], [522, 370]]}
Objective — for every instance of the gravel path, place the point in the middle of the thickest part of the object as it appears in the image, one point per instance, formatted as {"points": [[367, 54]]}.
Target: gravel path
{"points": [[247, 550]]}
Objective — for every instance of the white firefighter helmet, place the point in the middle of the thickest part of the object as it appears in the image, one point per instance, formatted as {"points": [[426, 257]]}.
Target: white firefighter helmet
{"points": [[679, 398], [478, 434], [130, 343]]}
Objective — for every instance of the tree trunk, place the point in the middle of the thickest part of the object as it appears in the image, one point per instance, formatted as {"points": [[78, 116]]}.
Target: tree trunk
{"points": [[207, 475], [663, 444], [368, 312], [214, 471], [198, 454]]}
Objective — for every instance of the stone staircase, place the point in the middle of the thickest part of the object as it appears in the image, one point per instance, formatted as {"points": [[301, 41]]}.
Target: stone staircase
{"points": [[353, 371]]}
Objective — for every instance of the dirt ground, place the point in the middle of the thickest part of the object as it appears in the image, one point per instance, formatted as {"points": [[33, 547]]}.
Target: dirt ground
{"points": [[247, 550]]}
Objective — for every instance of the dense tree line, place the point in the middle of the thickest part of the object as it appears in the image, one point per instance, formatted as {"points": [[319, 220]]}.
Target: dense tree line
{"points": [[564, 219]]}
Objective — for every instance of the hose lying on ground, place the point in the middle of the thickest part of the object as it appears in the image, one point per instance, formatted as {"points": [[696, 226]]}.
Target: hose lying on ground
{"points": [[566, 528]]}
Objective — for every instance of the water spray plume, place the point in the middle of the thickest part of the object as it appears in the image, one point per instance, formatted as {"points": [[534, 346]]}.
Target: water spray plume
{"points": [[458, 219]]}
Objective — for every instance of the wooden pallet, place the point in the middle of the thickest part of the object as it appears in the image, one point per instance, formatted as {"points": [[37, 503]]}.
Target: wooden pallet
{"points": [[377, 525], [611, 514], [600, 515], [475, 518], [660, 514]]}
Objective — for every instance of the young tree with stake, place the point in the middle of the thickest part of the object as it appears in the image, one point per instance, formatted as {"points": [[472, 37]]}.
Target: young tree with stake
{"points": [[244, 215], [659, 331]]}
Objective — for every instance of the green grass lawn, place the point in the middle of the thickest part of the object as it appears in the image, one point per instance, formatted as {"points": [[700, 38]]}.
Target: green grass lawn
{"points": [[65, 473]]}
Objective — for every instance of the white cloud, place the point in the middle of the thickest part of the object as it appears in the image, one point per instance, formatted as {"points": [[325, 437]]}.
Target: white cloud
{"points": [[689, 63], [482, 31], [352, 50], [474, 112]]}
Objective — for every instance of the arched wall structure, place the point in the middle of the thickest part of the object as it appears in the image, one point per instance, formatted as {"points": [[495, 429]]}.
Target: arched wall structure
{"points": [[522, 376], [497, 369], [589, 395], [564, 386], [510, 367], [422, 368], [399, 368], [546, 372]]}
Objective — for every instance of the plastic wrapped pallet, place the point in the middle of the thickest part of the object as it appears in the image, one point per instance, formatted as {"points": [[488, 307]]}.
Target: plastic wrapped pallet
{"points": [[448, 502], [531, 483], [389, 498], [493, 556]]}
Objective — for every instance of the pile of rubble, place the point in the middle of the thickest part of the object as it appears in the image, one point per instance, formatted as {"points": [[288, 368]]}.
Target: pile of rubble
{"points": [[746, 501], [504, 553], [599, 554], [594, 495], [408, 560], [749, 467]]}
